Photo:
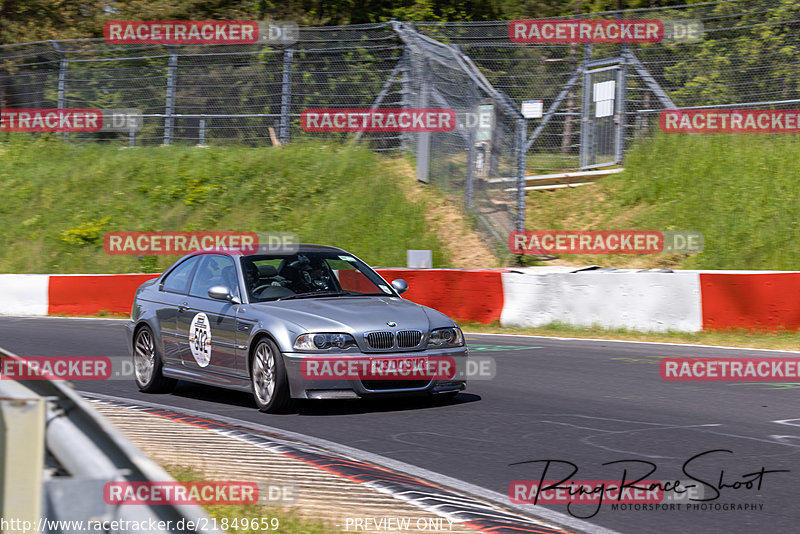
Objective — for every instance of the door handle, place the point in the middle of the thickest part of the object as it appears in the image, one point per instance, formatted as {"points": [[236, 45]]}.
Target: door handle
{"points": [[183, 307]]}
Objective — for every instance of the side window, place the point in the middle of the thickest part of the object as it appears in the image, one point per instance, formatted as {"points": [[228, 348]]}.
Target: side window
{"points": [[178, 279], [214, 271]]}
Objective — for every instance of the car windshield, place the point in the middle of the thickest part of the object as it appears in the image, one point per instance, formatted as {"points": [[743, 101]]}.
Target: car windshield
{"points": [[309, 275]]}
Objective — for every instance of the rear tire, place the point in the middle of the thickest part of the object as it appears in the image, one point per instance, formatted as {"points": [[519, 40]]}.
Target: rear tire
{"points": [[148, 364], [268, 380]]}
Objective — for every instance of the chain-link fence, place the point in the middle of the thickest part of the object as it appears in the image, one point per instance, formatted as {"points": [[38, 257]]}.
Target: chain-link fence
{"points": [[595, 98], [255, 94], [483, 158], [714, 54], [205, 93]]}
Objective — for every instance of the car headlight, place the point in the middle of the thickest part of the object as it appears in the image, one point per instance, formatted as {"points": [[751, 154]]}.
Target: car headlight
{"points": [[326, 342], [446, 337]]}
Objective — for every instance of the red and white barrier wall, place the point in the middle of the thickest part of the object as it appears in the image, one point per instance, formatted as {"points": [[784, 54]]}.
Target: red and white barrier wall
{"points": [[68, 294], [639, 301], [682, 301]]}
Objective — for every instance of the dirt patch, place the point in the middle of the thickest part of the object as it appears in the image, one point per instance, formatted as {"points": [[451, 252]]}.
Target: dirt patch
{"points": [[464, 245]]}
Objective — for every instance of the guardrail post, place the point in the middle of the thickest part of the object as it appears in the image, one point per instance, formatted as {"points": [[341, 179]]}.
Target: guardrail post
{"points": [[286, 95], [22, 428], [170, 100]]}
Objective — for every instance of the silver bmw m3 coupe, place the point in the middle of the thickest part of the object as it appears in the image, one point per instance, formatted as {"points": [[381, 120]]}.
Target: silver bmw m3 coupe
{"points": [[313, 323]]}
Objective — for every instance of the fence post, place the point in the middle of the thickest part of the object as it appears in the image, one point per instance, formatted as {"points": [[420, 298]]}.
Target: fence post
{"points": [[522, 168], [468, 195], [405, 91], [286, 94], [170, 100], [586, 109], [622, 90], [201, 136], [424, 138], [62, 79], [470, 182]]}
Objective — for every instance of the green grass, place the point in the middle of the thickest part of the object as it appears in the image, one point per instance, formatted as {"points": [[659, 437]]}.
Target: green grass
{"points": [[741, 191], [59, 199], [288, 521]]}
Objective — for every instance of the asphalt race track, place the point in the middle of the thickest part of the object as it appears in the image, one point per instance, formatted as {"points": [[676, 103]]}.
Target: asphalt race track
{"points": [[585, 402]]}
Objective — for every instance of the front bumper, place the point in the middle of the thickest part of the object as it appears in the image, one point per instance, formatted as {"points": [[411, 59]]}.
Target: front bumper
{"points": [[304, 388]]}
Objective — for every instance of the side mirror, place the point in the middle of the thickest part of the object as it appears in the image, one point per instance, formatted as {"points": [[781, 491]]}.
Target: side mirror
{"points": [[400, 285], [222, 293]]}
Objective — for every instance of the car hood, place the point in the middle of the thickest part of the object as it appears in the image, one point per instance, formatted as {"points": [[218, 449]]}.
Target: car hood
{"points": [[354, 314]]}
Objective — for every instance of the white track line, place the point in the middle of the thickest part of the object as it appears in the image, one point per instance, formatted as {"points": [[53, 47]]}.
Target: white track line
{"points": [[630, 341]]}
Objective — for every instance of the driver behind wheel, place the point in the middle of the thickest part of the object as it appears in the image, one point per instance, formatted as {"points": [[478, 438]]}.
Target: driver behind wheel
{"points": [[320, 277], [251, 276], [310, 274]]}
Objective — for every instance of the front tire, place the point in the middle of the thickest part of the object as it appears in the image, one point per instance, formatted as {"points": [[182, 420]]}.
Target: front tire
{"points": [[148, 364], [268, 380]]}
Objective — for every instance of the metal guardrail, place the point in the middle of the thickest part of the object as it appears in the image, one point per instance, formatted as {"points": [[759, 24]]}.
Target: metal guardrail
{"points": [[56, 453]]}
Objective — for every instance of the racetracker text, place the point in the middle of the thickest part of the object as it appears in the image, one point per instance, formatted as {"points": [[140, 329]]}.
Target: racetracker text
{"points": [[586, 31], [378, 120]]}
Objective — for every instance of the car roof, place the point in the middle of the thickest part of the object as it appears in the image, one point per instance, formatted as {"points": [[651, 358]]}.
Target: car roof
{"points": [[301, 247]]}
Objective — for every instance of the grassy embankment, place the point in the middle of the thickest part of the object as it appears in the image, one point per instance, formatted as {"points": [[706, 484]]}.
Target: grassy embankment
{"points": [[60, 199], [741, 191]]}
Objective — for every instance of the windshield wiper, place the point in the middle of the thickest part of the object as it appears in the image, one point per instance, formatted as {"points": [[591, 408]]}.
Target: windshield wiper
{"points": [[316, 294]]}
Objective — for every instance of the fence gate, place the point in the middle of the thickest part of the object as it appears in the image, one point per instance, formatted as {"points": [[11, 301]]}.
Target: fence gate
{"points": [[602, 113]]}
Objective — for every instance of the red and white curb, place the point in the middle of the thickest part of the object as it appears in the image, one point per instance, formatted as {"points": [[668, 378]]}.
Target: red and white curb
{"points": [[686, 301]]}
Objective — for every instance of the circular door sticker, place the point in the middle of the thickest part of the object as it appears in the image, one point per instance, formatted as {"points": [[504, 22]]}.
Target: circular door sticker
{"points": [[200, 339]]}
